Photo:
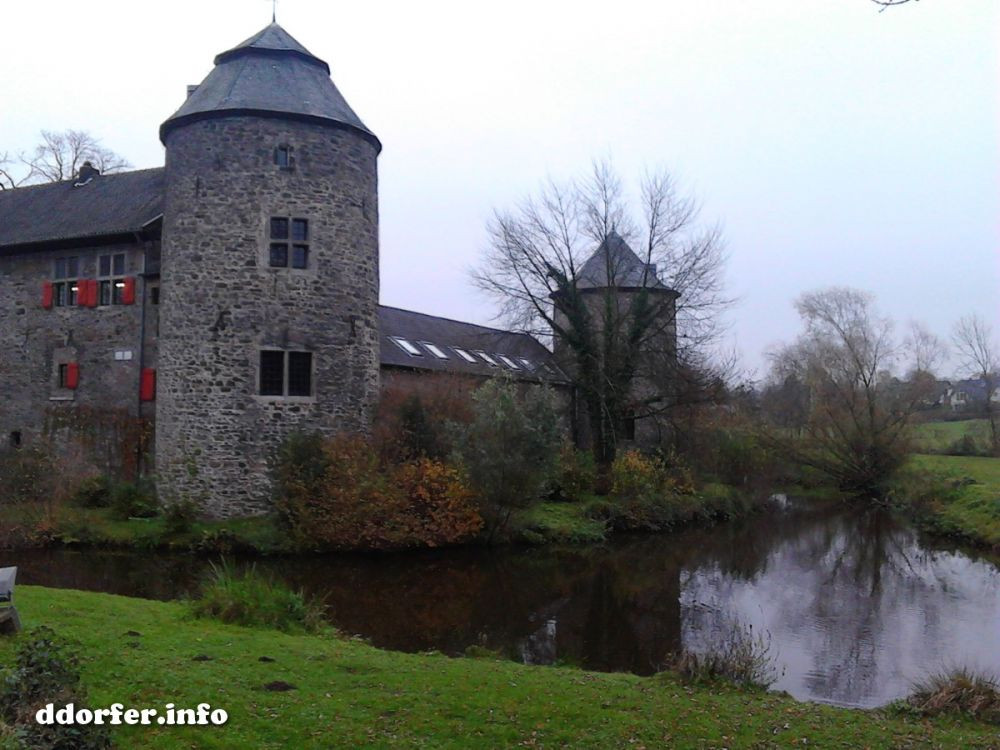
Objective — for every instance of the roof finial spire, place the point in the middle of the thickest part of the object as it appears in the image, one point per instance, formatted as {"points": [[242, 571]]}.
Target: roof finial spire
{"points": [[274, 11]]}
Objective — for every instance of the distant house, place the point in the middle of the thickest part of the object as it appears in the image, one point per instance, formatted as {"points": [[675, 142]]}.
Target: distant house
{"points": [[967, 394]]}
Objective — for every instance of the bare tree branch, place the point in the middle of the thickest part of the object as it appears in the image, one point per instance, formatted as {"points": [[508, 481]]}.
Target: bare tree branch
{"points": [[613, 315]]}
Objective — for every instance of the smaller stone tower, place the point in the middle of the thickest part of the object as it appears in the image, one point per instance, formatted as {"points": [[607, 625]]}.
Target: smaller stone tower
{"points": [[269, 314], [611, 279]]}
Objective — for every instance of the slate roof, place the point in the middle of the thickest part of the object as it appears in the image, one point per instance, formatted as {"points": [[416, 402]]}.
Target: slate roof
{"points": [[446, 334], [107, 205], [269, 75], [615, 264]]}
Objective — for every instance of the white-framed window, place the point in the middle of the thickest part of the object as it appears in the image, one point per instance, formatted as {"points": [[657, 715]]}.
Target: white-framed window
{"points": [[434, 349], [508, 361], [407, 346], [488, 359]]}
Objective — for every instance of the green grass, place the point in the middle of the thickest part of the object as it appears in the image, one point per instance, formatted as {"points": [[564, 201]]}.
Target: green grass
{"points": [[974, 511], [938, 437], [69, 524], [558, 523], [350, 694]]}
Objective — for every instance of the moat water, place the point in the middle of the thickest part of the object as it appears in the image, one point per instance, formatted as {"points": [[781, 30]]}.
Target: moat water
{"points": [[856, 605]]}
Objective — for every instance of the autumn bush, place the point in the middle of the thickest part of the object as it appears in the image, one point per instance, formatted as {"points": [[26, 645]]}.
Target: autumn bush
{"points": [[338, 493], [648, 493], [575, 474]]}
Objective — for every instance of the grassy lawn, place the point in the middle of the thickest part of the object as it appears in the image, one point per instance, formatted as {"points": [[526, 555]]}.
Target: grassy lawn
{"points": [[352, 695], [975, 512], [938, 437], [69, 524]]}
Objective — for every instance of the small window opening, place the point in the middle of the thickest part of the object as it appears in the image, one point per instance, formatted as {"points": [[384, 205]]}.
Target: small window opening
{"points": [[15, 439], [272, 373], [509, 362], [434, 349], [407, 346], [63, 376], [488, 359], [64, 286], [110, 290], [285, 373], [283, 156], [283, 253]]}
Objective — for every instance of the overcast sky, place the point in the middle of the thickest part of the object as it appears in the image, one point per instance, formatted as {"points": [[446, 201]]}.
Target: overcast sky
{"points": [[835, 144]]}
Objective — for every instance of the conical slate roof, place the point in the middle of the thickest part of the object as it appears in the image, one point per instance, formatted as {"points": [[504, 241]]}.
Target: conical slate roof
{"points": [[615, 264], [269, 75]]}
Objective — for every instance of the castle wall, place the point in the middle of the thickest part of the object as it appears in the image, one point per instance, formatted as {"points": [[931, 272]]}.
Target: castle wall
{"points": [[94, 420], [223, 303]]}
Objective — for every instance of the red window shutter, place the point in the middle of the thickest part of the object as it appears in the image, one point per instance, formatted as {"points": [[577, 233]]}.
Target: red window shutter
{"points": [[128, 293], [147, 384], [82, 293], [92, 292], [72, 375], [47, 294]]}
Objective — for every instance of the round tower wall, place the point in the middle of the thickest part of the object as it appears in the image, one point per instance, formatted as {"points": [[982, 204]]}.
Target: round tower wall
{"points": [[223, 303]]}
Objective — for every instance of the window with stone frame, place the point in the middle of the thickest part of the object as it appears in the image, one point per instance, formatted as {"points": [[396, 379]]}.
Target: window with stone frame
{"points": [[285, 373], [288, 245], [283, 157], [111, 279], [64, 285]]}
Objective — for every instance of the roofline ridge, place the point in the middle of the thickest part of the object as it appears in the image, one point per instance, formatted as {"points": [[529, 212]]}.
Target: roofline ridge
{"points": [[70, 179], [462, 322]]}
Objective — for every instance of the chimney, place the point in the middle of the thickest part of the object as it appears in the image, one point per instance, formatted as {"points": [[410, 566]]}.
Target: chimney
{"points": [[87, 172]]}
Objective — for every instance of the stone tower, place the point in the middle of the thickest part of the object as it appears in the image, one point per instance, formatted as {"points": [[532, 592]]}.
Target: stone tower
{"points": [[608, 284], [269, 314]]}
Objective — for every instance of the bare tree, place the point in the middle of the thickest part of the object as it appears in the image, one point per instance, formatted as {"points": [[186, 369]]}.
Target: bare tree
{"points": [[890, 3], [979, 356], [9, 177], [562, 265], [926, 351], [856, 425], [58, 157]]}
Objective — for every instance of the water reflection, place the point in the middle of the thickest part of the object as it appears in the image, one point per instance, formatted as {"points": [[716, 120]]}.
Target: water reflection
{"points": [[857, 606]]}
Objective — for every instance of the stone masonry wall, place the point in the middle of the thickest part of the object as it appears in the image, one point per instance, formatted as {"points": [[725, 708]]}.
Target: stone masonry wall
{"points": [[35, 340], [222, 303]]}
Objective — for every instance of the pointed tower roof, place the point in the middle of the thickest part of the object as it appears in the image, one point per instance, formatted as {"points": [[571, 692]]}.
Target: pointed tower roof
{"points": [[615, 264], [269, 75]]}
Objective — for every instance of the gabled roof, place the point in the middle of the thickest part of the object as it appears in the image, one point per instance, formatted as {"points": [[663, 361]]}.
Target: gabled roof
{"points": [[106, 205], [446, 334], [615, 264], [269, 75]]}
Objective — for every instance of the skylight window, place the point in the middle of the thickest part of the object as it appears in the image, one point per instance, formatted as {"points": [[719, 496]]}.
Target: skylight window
{"points": [[488, 359], [509, 362], [528, 365], [407, 346], [464, 354], [434, 349]]}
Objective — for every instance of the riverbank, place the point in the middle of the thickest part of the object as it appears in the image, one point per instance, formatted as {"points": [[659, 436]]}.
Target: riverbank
{"points": [[349, 694], [588, 520], [966, 497]]}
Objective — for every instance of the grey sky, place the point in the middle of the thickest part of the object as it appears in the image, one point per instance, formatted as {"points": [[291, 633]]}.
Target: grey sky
{"points": [[836, 144]]}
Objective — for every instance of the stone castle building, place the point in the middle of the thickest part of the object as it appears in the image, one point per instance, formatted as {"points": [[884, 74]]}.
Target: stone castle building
{"points": [[227, 299]]}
